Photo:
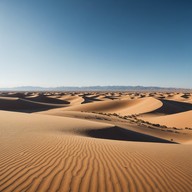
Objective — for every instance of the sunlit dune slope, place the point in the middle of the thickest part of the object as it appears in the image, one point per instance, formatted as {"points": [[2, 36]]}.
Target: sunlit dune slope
{"points": [[181, 120], [72, 99], [122, 107]]}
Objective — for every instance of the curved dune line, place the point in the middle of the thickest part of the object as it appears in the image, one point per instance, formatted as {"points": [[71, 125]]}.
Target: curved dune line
{"points": [[46, 99], [73, 100], [172, 107], [24, 105], [45, 103], [123, 107]]}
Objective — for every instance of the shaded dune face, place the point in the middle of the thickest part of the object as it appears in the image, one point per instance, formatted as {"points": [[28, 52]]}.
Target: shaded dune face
{"points": [[117, 133], [171, 107], [22, 105], [90, 99], [47, 99]]}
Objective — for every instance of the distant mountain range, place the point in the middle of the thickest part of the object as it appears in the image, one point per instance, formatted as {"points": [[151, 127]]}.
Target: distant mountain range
{"points": [[95, 88]]}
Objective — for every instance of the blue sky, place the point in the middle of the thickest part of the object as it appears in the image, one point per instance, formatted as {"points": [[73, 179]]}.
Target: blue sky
{"points": [[96, 42]]}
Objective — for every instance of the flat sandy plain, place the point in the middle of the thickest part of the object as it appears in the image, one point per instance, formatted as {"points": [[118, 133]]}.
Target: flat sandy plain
{"points": [[95, 141]]}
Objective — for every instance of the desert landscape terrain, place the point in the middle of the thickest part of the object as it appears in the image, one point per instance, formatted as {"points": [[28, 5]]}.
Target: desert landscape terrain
{"points": [[96, 141]]}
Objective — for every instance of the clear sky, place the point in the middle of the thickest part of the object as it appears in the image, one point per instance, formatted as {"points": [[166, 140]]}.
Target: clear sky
{"points": [[96, 42]]}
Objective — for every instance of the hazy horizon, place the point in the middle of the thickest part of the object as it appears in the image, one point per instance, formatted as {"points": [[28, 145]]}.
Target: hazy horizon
{"points": [[101, 87], [89, 43]]}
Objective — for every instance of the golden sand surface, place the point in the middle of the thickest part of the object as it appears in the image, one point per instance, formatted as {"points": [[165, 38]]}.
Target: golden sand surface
{"points": [[95, 141]]}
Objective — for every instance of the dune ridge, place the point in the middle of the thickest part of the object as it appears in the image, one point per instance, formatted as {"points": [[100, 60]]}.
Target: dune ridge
{"points": [[123, 107]]}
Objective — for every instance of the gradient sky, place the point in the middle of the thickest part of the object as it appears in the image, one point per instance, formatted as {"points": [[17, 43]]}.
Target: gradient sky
{"points": [[96, 42]]}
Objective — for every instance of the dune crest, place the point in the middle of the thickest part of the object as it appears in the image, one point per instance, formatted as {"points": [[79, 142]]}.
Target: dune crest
{"points": [[123, 107]]}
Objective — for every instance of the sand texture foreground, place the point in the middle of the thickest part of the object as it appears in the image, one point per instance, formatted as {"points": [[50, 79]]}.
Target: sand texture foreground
{"points": [[96, 142]]}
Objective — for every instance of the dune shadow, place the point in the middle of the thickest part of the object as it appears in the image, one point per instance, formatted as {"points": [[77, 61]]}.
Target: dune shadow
{"points": [[171, 107], [45, 99], [23, 106], [186, 96], [117, 133], [89, 99], [111, 97]]}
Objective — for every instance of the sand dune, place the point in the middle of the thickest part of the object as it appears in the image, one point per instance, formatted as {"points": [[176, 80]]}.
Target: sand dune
{"points": [[72, 99], [171, 107], [179, 97], [90, 99], [49, 142], [47, 99], [181, 120], [123, 107], [52, 154], [23, 105]]}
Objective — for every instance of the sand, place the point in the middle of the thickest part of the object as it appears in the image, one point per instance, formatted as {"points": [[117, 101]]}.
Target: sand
{"points": [[95, 142]]}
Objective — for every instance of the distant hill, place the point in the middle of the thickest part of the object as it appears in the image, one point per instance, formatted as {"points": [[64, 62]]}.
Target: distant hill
{"points": [[95, 88]]}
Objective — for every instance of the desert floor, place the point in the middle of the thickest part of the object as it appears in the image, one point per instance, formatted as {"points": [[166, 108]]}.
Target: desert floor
{"points": [[95, 141]]}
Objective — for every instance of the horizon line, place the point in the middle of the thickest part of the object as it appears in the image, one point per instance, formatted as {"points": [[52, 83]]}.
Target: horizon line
{"points": [[93, 86]]}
